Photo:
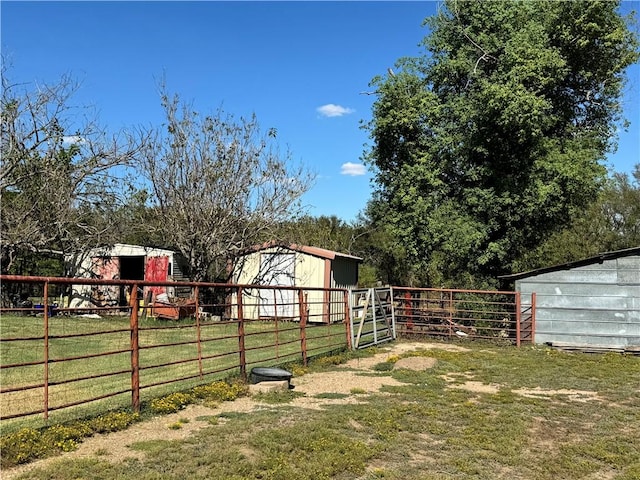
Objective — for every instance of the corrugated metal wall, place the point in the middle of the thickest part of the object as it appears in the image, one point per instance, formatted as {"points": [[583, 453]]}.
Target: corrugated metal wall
{"points": [[311, 272], [345, 273], [590, 305]]}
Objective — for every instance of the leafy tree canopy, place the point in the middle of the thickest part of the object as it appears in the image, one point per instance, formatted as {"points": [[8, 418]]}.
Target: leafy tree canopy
{"points": [[496, 136], [611, 222], [218, 183]]}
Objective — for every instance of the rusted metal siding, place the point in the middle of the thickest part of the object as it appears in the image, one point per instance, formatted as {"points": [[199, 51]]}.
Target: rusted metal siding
{"points": [[105, 268], [156, 270], [592, 305], [108, 263]]}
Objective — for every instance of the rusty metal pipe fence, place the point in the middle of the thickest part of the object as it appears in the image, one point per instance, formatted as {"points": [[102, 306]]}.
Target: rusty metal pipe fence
{"points": [[104, 344], [473, 314], [56, 355]]}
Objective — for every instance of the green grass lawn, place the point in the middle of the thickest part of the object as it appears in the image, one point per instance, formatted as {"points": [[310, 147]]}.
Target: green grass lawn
{"points": [[422, 429], [168, 353]]}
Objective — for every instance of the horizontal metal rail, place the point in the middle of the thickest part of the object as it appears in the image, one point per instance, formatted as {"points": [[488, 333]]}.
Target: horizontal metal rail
{"points": [[56, 358], [480, 314]]}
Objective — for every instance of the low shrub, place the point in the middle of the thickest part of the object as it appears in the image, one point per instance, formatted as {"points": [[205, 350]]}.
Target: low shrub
{"points": [[330, 360], [384, 367], [22, 446], [220, 391], [66, 438], [171, 403], [113, 421], [29, 444], [299, 370]]}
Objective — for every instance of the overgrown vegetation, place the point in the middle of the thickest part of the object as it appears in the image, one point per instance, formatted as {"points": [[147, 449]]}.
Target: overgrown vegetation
{"points": [[548, 415], [29, 444], [214, 392]]}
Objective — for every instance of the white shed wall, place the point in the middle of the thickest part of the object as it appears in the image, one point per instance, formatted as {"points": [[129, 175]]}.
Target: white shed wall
{"points": [[310, 272]]}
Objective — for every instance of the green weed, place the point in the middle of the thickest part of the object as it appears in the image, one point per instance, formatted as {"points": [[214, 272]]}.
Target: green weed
{"points": [[331, 395], [29, 444]]}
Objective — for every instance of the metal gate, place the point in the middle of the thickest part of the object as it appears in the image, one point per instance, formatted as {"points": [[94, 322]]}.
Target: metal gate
{"points": [[372, 317]]}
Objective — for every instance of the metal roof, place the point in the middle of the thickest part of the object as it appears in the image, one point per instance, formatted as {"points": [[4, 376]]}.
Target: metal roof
{"points": [[313, 251], [601, 257], [125, 249]]}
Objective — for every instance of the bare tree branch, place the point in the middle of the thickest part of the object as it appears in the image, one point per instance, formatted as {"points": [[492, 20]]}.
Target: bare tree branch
{"points": [[219, 184], [60, 171]]}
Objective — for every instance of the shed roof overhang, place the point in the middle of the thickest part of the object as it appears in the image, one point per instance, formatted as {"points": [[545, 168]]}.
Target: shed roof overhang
{"points": [[601, 257], [313, 251]]}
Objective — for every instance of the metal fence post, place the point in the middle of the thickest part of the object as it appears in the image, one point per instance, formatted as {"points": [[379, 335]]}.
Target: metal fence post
{"points": [[135, 351], [45, 301], [450, 313], [393, 312], [303, 326], [241, 343], [196, 292], [518, 318], [347, 317]]}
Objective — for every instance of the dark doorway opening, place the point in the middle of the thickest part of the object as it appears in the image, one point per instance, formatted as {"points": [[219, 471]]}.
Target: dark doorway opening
{"points": [[131, 268]]}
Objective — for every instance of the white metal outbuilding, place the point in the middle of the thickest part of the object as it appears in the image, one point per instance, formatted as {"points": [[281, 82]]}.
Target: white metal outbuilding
{"points": [[292, 266], [594, 302]]}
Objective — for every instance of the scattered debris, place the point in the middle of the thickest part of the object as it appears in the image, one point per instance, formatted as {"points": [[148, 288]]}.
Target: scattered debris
{"points": [[566, 347], [175, 309]]}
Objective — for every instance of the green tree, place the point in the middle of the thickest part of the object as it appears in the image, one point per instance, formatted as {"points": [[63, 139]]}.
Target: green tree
{"points": [[328, 232], [496, 136], [384, 259], [611, 222], [621, 209], [332, 233]]}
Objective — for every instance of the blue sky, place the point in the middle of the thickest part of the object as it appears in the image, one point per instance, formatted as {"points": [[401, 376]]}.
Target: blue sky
{"points": [[299, 66]]}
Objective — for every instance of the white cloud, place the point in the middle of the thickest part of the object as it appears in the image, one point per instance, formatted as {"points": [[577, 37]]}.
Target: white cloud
{"points": [[352, 169], [73, 140], [331, 110]]}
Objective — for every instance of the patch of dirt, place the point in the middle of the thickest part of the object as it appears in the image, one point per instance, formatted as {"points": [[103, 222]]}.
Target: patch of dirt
{"points": [[354, 376], [470, 385], [477, 387], [417, 346], [540, 393], [575, 395], [416, 363]]}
